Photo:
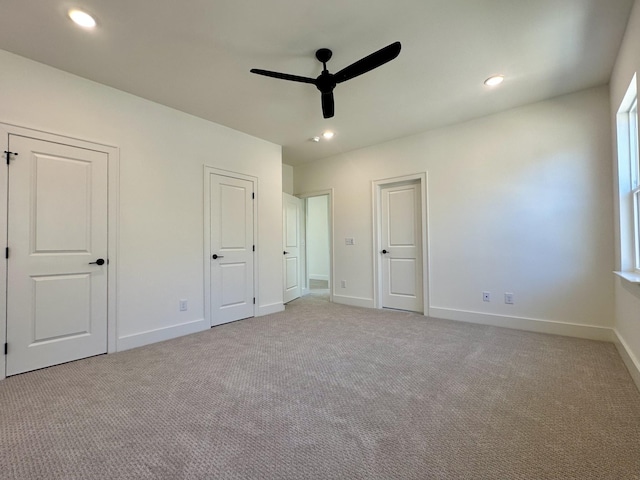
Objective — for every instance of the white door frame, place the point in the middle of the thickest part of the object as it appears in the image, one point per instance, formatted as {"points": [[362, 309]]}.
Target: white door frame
{"points": [[376, 187], [113, 169], [320, 193], [207, 239]]}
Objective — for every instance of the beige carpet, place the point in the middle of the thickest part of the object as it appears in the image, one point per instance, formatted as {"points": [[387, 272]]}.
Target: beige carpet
{"points": [[324, 391]]}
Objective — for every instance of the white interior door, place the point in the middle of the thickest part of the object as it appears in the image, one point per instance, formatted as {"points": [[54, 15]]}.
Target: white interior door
{"points": [[401, 242], [232, 248], [57, 231], [291, 209]]}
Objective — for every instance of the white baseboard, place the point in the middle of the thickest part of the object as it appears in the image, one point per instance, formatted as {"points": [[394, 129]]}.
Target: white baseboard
{"points": [[161, 334], [629, 359], [529, 324], [353, 301], [269, 309], [317, 276]]}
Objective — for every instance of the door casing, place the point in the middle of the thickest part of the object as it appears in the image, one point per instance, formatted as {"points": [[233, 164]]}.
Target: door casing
{"points": [[113, 154], [377, 186]]}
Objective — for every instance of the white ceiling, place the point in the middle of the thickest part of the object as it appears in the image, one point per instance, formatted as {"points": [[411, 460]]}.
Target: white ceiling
{"points": [[195, 56]]}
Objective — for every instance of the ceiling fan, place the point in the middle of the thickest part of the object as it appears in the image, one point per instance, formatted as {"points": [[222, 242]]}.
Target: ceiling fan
{"points": [[326, 82]]}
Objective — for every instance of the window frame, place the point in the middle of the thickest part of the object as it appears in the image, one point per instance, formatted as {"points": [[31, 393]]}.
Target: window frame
{"points": [[628, 181], [634, 164]]}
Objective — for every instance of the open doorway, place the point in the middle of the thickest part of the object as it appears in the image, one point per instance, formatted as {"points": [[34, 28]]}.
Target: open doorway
{"points": [[318, 260], [317, 243]]}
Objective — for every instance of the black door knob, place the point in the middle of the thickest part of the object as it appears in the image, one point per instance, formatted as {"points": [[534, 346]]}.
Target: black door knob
{"points": [[385, 251], [215, 256], [285, 253], [99, 261]]}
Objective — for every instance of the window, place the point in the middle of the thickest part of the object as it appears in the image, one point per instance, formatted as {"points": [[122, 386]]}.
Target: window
{"points": [[629, 181], [634, 161]]}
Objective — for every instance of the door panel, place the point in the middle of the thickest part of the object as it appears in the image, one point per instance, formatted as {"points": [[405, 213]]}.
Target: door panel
{"points": [[401, 237], [402, 274], [61, 191], [231, 236], [291, 210], [401, 209], [233, 277], [62, 306], [291, 272], [233, 206], [56, 300]]}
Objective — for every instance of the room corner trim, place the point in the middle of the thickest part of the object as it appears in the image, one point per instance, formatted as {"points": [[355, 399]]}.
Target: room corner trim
{"points": [[318, 276], [630, 360]]}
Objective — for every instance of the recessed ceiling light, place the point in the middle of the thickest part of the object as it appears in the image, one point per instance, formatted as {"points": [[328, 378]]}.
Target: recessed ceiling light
{"points": [[328, 134], [82, 18], [494, 80]]}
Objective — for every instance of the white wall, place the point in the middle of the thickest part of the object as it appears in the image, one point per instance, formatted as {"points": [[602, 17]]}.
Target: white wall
{"points": [[287, 179], [318, 237], [518, 202], [627, 295], [162, 153]]}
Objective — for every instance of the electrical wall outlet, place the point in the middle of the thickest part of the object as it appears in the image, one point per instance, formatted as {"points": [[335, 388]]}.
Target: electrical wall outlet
{"points": [[508, 298], [486, 296], [343, 283], [184, 305]]}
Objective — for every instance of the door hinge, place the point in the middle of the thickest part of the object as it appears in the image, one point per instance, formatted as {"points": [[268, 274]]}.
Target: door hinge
{"points": [[8, 153], [254, 300], [6, 348], [6, 252], [253, 196], [254, 248]]}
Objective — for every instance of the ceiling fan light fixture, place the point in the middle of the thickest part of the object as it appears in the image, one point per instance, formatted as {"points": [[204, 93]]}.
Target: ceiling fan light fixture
{"points": [[81, 18], [494, 80]]}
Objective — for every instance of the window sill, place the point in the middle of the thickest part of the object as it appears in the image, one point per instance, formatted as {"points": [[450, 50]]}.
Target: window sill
{"points": [[632, 277]]}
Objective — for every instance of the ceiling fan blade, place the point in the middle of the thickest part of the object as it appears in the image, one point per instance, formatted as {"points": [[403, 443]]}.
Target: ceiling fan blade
{"points": [[327, 105], [369, 62], [284, 76]]}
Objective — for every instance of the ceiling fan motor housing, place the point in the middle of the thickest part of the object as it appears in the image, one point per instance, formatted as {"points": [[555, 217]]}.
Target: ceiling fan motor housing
{"points": [[325, 82]]}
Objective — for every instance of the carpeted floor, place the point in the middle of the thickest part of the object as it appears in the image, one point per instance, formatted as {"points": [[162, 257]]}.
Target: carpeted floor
{"points": [[325, 391]]}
